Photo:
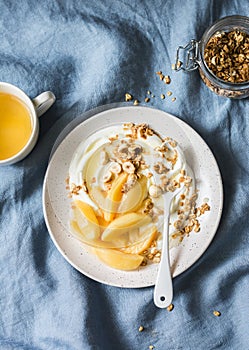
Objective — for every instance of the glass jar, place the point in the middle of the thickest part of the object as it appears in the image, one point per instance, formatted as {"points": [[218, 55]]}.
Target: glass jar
{"points": [[191, 57]]}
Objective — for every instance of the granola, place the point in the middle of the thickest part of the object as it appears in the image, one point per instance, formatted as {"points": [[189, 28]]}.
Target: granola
{"points": [[227, 56]]}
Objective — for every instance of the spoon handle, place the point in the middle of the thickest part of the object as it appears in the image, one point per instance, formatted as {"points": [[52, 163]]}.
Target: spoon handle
{"points": [[163, 291]]}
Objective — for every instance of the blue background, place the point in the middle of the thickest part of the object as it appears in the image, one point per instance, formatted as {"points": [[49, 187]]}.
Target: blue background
{"points": [[90, 54]]}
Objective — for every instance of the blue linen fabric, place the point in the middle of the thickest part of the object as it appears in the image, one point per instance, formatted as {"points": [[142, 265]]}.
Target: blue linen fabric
{"points": [[90, 54]]}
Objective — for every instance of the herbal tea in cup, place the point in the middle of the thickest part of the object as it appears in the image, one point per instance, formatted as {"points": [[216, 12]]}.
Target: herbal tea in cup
{"points": [[19, 124], [15, 125]]}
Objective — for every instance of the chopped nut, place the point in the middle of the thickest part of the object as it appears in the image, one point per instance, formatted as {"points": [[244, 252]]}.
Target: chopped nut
{"points": [[115, 168], [161, 76], [132, 178], [104, 157], [107, 177], [151, 347], [144, 263], [127, 126], [148, 92], [179, 64], [75, 189], [149, 175], [217, 313], [135, 150], [128, 97], [113, 138], [146, 99], [160, 168], [107, 186], [154, 250], [136, 102], [167, 79], [156, 259], [162, 96], [173, 99], [150, 256], [169, 93], [155, 191], [128, 167], [170, 307], [123, 150], [141, 328]]}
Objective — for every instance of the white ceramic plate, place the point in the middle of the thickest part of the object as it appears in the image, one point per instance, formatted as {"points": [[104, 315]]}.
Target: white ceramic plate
{"points": [[208, 182]]}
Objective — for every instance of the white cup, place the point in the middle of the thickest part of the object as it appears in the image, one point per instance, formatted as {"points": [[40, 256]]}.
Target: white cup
{"points": [[37, 106]]}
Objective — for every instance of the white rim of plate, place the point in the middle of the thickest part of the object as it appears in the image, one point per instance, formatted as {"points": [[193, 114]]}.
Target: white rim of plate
{"points": [[79, 256]]}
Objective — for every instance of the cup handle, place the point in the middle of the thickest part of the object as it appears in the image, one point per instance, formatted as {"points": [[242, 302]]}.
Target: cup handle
{"points": [[43, 102]]}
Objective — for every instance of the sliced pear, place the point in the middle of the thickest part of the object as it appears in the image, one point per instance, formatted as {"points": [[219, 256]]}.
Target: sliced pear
{"points": [[119, 260], [114, 197], [77, 233], [86, 220], [150, 235], [86, 210], [102, 223], [123, 225], [133, 199], [98, 197]]}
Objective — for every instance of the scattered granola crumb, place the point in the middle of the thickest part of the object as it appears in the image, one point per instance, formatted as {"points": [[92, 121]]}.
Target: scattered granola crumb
{"points": [[170, 307], [161, 75], [169, 93], [148, 92], [128, 97], [147, 99], [173, 99], [217, 313], [151, 347], [162, 96], [144, 263], [141, 328], [75, 189], [113, 138], [167, 79], [179, 64], [152, 95], [136, 102], [173, 66]]}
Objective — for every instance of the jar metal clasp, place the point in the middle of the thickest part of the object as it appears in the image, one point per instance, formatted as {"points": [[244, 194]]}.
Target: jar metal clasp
{"points": [[187, 57]]}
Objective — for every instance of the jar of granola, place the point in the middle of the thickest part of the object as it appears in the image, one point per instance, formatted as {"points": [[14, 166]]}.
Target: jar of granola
{"points": [[222, 57]]}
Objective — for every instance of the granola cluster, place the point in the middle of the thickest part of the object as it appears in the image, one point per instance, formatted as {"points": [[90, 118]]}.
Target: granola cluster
{"points": [[227, 56]]}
